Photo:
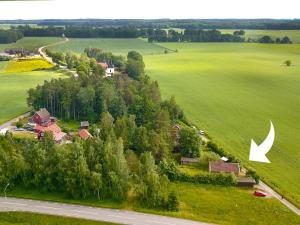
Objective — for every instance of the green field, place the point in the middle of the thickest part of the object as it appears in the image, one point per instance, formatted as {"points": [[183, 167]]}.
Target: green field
{"points": [[13, 91], [13, 218], [232, 91], [30, 43], [294, 35], [115, 45]]}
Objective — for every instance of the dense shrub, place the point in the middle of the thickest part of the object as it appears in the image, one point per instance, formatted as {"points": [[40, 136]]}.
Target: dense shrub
{"points": [[221, 152]]}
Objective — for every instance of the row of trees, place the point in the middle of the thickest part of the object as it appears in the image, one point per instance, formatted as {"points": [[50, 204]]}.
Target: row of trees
{"points": [[10, 36], [98, 168], [269, 40], [193, 35]]}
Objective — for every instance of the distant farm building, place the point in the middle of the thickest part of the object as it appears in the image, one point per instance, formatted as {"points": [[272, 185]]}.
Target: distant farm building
{"points": [[185, 161], [108, 68], [223, 167], [84, 124], [45, 123], [42, 117], [84, 134]]}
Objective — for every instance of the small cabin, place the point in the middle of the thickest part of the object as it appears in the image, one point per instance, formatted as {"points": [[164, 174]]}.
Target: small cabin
{"points": [[224, 167], [84, 124]]}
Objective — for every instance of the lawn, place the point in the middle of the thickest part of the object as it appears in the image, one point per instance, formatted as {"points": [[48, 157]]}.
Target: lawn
{"points": [[115, 45], [232, 91], [16, 66], [12, 218], [13, 91], [294, 35], [31, 43], [214, 204]]}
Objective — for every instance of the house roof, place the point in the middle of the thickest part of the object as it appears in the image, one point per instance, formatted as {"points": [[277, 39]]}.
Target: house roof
{"points": [[84, 123], [246, 180], [53, 128], [43, 113], [103, 65], [220, 166], [191, 160], [84, 134]]}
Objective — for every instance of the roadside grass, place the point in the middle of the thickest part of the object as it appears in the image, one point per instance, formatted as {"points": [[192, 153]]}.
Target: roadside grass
{"points": [[25, 65], [13, 91], [232, 91], [25, 218], [115, 45], [31, 43], [207, 203]]}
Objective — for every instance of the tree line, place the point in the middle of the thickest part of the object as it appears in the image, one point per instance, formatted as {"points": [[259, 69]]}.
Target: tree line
{"points": [[10, 36], [262, 24]]}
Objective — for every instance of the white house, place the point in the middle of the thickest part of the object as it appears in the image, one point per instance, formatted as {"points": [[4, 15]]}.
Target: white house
{"points": [[109, 68]]}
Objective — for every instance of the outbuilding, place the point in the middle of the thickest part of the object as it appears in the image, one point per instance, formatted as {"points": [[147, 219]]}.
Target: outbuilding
{"points": [[224, 167]]}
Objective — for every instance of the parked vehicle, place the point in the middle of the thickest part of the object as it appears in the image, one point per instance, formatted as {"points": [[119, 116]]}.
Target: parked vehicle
{"points": [[260, 193]]}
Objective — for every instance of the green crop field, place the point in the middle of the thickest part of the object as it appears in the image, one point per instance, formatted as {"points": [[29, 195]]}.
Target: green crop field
{"points": [[31, 43], [115, 45], [13, 91], [232, 91], [294, 35], [24, 218]]}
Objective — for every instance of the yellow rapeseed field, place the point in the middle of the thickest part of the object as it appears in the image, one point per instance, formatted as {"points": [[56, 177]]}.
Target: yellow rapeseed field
{"points": [[25, 65]]}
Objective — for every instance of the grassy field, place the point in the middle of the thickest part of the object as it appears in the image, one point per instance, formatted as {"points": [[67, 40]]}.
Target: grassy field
{"points": [[215, 204], [12, 218], [294, 35], [115, 45], [31, 43], [16, 66], [232, 91], [13, 91]]}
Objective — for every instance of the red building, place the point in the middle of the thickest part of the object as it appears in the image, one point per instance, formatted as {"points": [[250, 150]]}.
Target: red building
{"points": [[46, 123], [42, 117]]}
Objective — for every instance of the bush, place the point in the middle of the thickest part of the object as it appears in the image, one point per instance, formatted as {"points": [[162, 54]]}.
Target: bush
{"points": [[207, 156], [288, 63], [173, 203], [19, 124], [252, 173]]}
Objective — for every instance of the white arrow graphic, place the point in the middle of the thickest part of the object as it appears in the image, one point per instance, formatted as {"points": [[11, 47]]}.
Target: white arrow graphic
{"points": [[258, 153]]}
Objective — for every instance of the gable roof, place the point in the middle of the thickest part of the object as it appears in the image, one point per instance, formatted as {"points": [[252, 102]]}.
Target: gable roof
{"points": [[220, 166], [103, 65], [84, 123], [43, 113], [53, 128], [84, 134]]}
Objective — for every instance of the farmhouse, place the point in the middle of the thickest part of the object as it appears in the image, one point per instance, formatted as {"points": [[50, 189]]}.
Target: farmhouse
{"points": [[223, 167], [45, 123], [109, 68], [58, 135], [84, 134], [42, 117]]}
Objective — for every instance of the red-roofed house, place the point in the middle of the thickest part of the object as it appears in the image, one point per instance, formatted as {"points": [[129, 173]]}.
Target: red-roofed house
{"points": [[223, 167], [58, 135], [103, 65], [84, 134]]}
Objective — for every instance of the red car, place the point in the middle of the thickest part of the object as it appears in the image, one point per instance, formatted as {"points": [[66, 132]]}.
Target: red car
{"points": [[260, 194]]}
